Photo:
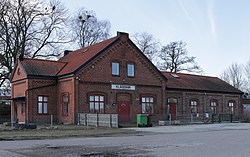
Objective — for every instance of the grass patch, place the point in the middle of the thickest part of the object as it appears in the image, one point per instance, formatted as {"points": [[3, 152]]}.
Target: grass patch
{"points": [[62, 131]]}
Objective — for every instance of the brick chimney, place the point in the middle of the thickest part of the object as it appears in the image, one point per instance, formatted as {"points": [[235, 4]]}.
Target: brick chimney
{"points": [[123, 36], [66, 52]]}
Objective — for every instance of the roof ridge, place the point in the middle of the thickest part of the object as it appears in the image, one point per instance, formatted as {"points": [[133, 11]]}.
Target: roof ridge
{"points": [[92, 51], [87, 47], [42, 60], [189, 74]]}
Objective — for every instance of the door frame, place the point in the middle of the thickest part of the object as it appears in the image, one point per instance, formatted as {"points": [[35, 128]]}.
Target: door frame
{"points": [[123, 97], [169, 103]]}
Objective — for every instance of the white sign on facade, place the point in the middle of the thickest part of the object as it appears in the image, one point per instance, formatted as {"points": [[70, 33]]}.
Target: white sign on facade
{"points": [[122, 87]]}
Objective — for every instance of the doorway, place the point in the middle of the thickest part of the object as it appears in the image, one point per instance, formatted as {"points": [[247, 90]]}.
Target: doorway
{"points": [[172, 108], [123, 102]]}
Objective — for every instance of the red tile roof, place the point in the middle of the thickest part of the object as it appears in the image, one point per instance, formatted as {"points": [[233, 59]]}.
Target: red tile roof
{"points": [[197, 82], [79, 57], [65, 65], [41, 67]]}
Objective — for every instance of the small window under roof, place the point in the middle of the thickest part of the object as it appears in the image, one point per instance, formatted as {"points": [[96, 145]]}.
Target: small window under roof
{"points": [[175, 75]]}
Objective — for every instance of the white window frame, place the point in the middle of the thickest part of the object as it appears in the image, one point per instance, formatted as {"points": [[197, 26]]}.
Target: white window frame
{"points": [[147, 103], [115, 68], [65, 104], [42, 104], [193, 105], [231, 107], [131, 70], [213, 106], [96, 103]]}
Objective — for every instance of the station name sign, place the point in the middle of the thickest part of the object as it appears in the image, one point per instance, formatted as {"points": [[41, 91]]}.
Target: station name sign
{"points": [[122, 87]]}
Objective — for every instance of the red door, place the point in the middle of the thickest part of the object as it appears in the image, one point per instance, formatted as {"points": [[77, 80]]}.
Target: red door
{"points": [[124, 111], [173, 111]]}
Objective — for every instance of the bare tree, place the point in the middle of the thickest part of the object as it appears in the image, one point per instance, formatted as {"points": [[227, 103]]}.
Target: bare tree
{"points": [[29, 28], [87, 29], [247, 75], [175, 58], [147, 44], [234, 76]]}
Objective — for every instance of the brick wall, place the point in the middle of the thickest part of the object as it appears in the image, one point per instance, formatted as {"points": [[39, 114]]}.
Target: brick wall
{"points": [[66, 86], [41, 87], [204, 99], [97, 78]]}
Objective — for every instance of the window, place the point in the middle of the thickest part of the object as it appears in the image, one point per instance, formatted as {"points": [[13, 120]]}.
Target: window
{"points": [[213, 106], [115, 69], [23, 107], [193, 105], [147, 104], [96, 103], [231, 107], [42, 104], [65, 100], [131, 70]]}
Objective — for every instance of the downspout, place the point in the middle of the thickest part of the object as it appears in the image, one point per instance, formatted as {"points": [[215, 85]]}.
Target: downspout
{"points": [[204, 105], [164, 100], [76, 94]]}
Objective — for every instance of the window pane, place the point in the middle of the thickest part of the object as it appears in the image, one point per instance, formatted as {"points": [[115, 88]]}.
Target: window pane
{"points": [[91, 106], [147, 99], [65, 99], [193, 103], [101, 98], [45, 107], [97, 106], [40, 108], [152, 109], [101, 105], [65, 107], [231, 104], [45, 99], [40, 98], [143, 108], [143, 100], [96, 98], [91, 98], [149, 108], [130, 69], [232, 110], [151, 99], [115, 68]]}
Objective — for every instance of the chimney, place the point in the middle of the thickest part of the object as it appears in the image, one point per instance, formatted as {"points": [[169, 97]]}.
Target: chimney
{"points": [[20, 57], [66, 52], [123, 36]]}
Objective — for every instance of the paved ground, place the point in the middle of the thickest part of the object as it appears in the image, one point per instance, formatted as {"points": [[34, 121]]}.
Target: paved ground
{"points": [[217, 140], [195, 128]]}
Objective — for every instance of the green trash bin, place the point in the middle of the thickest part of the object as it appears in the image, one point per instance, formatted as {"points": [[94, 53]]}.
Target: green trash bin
{"points": [[142, 120]]}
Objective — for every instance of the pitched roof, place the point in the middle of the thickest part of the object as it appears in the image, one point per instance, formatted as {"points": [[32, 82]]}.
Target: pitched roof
{"points": [[78, 58], [41, 67], [182, 81], [65, 65]]}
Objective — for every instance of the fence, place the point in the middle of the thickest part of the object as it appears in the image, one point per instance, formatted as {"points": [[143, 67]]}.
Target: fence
{"points": [[4, 119], [198, 118], [102, 120]]}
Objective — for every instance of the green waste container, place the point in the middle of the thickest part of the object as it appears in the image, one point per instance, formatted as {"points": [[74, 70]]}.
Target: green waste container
{"points": [[142, 120]]}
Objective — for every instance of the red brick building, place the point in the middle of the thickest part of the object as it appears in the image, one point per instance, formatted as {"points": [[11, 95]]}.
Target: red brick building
{"points": [[113, 76]]}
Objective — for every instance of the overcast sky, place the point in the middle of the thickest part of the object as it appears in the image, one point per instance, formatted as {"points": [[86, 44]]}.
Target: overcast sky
{"points": [[217, 32]]}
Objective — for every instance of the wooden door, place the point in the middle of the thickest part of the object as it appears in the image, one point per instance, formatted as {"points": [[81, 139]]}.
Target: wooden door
{"points": [[124, 111], [173, 110]]}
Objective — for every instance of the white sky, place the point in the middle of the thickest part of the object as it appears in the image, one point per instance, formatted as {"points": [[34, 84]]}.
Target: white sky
{"points": [[217, 32]]}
